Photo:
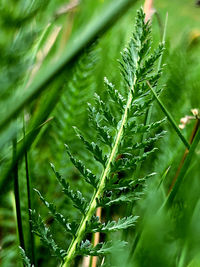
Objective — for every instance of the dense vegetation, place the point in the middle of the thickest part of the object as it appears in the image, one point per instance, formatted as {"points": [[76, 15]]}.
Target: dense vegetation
{"points": [[99, 134]]}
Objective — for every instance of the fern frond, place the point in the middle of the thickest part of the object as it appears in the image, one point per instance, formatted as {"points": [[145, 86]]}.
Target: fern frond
{"points": [[105, 112], [45, 235], [86, 248], [114, 94], [147, 142], [26, 260], [117, 198], [135, 128], [68, 227], [112, 226], [93, 148], [127, 184], [121, 135], [78, 200], [129, 161], [147, 67], [87, 174], [72, 106], [103, 133]]}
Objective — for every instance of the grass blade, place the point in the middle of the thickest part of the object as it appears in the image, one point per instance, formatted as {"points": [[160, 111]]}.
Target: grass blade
{"points": [[169, 117], [30, 137], [17, 197], [183, 171], [29, 198]]}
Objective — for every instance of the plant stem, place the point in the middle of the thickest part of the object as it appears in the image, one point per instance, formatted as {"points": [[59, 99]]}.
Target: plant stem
{"points": [[27, 135], [30, 137], [93, 204], [17, 197], [93, 260], [183, 170], [196, 126], [29, 198], [169, 117], [163, 39]]}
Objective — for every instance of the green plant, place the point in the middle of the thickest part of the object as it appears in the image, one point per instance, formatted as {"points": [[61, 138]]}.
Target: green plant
{"points": [[37, 113], [119, 126]]}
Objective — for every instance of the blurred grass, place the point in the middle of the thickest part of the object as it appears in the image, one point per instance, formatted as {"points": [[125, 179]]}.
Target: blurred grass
{"points": [[183, 17]]}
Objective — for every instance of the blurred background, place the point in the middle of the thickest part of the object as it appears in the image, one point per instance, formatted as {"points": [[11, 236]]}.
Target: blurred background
{"points": [[33, 36]]}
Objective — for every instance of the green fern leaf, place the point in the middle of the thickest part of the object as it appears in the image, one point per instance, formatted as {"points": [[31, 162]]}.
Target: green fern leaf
{"points": [[114, 198], [114, 94], [140, 128], [93, 148], [26, 260], [129, 161], [103, 131], [87, 174], [127, 184], [113, 226], [86, 248], [69, 227], [45, 235], [108, 116], [78, 200]]}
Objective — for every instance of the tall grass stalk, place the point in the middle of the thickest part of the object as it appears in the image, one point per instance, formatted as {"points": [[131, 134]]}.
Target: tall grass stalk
{"points": [[31, 238], [195, 129], [183, 171], [169, 117], [17, 196]]}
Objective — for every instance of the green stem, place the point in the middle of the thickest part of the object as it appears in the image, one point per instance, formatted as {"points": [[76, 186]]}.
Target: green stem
{"points": [[160, 24], [38, 120], [169, 117], [163, 39], [93, 204], [17, 197], [184, 169], [29, 198]]}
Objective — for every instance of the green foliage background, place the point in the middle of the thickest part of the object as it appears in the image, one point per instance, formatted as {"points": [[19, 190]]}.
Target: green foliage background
{"points": [[165, 238]]}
